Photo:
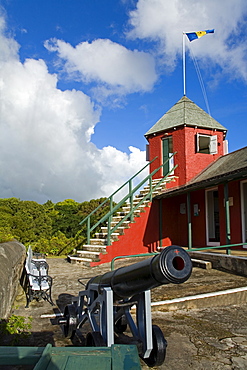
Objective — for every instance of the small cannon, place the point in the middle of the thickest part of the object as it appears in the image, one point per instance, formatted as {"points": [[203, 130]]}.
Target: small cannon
{"points": [[108, 299]]}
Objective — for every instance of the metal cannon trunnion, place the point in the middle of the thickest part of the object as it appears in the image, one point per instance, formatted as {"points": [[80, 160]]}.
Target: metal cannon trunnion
{"points": [[107, 301]]}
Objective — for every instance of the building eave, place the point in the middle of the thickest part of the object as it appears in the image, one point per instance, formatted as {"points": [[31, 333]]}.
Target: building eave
{"points": [[208, 183]]}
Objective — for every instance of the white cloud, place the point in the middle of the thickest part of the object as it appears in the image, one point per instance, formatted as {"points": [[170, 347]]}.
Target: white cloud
{"points": [[9, 47], [114, 172], [165, 20], [107, 63], [45, 148]]}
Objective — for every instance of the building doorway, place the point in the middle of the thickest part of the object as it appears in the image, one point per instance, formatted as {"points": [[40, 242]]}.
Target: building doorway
{"points": [[212, 217], [244, 211], [168, 160]]}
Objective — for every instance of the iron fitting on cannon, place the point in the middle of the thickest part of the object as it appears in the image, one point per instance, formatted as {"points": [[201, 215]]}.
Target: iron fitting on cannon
{"points": [[173, 266]]}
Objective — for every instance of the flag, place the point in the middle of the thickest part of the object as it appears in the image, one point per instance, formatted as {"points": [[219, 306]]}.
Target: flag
{"points": [[196, 35]]}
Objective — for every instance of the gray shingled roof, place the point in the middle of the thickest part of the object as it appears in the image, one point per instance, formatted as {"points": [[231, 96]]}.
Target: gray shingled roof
{"points": [[229, 167], [185, 112]]}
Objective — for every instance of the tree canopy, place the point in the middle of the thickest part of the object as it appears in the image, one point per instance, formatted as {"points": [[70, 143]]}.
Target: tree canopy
{"points": [[48, 227]]}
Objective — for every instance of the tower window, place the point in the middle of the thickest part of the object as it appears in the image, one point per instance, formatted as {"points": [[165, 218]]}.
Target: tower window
{"points": [[206, 144], [168, 158]]}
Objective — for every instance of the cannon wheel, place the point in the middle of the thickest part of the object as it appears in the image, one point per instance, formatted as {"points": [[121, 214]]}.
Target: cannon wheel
{"points": [[120, 325], [158, 353], [70, 320], [95, 339]]}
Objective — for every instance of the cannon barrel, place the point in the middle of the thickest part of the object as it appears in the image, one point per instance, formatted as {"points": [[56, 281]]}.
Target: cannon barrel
{"points": [[172, 265]]}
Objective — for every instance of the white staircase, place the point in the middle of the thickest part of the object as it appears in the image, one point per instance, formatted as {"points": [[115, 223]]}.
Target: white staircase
{"points": [[91, 253]]}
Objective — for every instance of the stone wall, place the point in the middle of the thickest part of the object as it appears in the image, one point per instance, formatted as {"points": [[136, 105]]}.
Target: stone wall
{"points": [[12, 257], [228, 263]]}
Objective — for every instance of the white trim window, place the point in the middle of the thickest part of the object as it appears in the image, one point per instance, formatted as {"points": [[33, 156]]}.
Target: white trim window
{"points": [[207, 144]]}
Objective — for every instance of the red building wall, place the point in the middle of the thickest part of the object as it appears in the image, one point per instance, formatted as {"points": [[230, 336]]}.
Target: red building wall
{"points": [[141, 237], [235, 213], [174, 224], [196, 162], [155, 150], [190, 163], [198, 222], [144, 234]]}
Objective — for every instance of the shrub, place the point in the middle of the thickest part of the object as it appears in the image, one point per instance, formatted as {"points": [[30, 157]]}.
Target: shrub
{"points": [[54, 246], [5, 235], [18, 327]]}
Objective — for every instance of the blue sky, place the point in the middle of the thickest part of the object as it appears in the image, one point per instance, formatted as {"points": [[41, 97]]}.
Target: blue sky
{"points": [[82, 81]]}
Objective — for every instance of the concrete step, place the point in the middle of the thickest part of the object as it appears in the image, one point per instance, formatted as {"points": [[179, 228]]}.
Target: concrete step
{"points": [[102, 235], [98, 244], [119, 230], [93, 256], [125, 224], [147, 187], [172, 178], [157, 190], [207, 265], [144, 192], [98, 241], [140, 196], [136, 201], [94, 248], [124, 213], [79, 260], [126, 209], [168, 179], [116, 219]]}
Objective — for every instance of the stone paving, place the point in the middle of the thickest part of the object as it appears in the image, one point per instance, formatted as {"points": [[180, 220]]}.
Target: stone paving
{"points": [[199, 339]]}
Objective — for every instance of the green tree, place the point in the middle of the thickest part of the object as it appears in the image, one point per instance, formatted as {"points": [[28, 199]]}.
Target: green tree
{"points": [[8, 207], [49, 228], [5, 235], [54, 246], [67, 218], [26, 220], [30, 222]]}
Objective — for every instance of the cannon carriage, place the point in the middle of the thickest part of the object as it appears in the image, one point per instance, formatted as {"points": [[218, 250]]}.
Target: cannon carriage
{"points": [[107, 304]]}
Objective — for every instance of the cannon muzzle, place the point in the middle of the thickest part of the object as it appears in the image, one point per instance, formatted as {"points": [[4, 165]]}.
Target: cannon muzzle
{"points": [[172, 265]]}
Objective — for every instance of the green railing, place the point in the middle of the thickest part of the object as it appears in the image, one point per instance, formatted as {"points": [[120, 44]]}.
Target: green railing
{"points": [[131, 256], [227, 247], [129, 197]]}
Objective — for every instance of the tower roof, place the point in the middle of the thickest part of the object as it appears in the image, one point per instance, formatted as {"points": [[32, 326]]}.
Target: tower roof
{"points": [[185, 112]]}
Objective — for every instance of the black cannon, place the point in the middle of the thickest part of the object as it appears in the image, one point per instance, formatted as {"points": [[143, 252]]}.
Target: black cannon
{"points": [[107, 301]]}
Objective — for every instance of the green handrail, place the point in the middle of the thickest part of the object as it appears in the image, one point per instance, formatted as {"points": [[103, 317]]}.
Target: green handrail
{"points": [[129, 196], [130, 256], [227, 247], [132, 209], [126, 197], [147, 196], [189, 250], [115, 192]]}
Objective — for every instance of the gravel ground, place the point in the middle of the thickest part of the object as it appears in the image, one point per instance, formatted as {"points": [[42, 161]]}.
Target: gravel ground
{"points": [[208, 338]]}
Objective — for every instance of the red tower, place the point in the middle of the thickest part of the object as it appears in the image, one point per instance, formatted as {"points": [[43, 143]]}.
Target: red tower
{"points": [[194, 135]]}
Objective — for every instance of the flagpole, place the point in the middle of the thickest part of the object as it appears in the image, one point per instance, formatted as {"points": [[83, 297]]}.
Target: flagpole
{"points": [[184, 82]]}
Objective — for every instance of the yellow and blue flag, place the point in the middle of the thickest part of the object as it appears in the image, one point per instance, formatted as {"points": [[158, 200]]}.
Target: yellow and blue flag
{"points": [[196, 35]]}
